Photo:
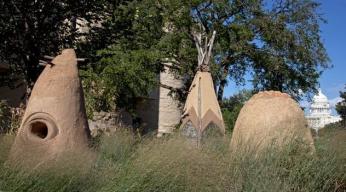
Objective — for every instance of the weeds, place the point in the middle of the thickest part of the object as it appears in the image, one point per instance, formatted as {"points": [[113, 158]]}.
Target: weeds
{"points": [[127, 163]]}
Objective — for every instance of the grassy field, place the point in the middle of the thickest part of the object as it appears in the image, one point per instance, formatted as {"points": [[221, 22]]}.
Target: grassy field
{"points": [[333, 138], [126, 163]]}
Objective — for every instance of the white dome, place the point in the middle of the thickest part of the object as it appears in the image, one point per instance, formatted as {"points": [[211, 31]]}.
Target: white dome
{"points": [[320, 105], [320, 112], [320, 97]]}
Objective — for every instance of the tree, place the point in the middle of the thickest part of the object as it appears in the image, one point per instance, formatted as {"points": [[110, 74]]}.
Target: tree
{"points": [[5, 117], [341, 106], [231, 107], [30, 29], [120, 43], [126, 65], [278, 42]]}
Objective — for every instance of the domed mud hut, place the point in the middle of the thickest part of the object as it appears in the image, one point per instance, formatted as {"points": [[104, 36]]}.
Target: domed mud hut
{"points": [[270, 117], [55, 120]]}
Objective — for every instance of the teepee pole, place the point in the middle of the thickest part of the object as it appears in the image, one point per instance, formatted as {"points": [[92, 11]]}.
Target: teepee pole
{"points": [[204, 48], [210, 46], [199, 133]]}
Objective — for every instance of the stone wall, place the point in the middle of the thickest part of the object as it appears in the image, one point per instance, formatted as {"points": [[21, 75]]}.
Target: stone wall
{"points": [[108, 122]]}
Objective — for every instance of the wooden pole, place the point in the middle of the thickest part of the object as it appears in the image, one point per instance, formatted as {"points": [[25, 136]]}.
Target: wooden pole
{"points": [[78, 59], [204, 48]]}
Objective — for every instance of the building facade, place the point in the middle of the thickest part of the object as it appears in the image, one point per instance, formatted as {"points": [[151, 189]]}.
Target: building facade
{"points": [[320, 112]]}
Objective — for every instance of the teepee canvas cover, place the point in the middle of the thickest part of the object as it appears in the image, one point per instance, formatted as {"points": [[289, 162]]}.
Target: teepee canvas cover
{"points": [[202, 108]]}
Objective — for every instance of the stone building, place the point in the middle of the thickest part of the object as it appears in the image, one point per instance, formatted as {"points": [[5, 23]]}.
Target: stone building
{"points": [[320, 112], [160, 110], [169, 107]]}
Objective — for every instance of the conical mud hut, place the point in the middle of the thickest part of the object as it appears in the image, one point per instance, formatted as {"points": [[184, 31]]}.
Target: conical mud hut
{"points": [[55, 120]]}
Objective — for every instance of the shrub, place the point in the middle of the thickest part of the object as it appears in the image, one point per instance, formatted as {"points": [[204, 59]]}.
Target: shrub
{"points": [[5, 117], [231, 107], [341, 107]]}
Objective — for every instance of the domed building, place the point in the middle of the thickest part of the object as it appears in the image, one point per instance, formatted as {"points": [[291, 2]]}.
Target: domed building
{"points": [[320, 112]]}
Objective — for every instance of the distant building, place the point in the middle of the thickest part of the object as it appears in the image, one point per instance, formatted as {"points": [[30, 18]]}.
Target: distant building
{"points": [[320, 112]]}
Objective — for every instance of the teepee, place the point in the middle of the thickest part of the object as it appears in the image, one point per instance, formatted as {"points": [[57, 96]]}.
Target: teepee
{"points": [[202, 111]]}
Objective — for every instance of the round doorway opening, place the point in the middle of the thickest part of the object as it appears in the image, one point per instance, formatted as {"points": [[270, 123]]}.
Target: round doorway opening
{"points": [[39, 129]]}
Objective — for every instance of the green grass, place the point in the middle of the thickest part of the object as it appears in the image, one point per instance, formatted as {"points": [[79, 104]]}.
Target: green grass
{"points": [[333, 139], [127, 163]]}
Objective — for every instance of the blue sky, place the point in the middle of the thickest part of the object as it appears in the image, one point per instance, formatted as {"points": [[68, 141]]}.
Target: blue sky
{"points": [[334, 37]]}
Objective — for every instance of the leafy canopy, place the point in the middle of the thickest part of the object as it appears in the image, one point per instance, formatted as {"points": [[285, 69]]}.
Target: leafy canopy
{"points": [[30, 29], [231, 107], [341, 106], [277, 42]]}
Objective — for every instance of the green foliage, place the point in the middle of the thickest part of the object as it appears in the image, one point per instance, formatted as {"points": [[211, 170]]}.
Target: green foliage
{"points": [[126, 163], [30, 29], [127, 67], [278, 42], [231, 107], [119, 77], [341, 106], [291, 51], [10, 118], [5, 117], [230, 116]]}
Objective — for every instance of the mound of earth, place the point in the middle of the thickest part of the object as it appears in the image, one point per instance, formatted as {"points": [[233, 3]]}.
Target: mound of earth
{"points": [[268, 118]]}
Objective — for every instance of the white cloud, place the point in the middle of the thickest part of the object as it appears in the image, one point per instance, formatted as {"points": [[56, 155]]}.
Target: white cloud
{"points": [[334, 101], [304, 103]]}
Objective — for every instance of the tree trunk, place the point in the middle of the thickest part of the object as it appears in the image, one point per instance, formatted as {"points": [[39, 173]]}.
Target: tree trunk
{"points": [[223, 83], [221, 90]]}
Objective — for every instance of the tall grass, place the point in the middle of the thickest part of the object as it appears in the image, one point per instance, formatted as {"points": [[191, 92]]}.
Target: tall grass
{"points": [[127, 163]]}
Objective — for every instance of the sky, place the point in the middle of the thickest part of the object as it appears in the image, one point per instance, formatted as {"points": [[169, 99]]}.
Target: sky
{"points": [[333, 35]]}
